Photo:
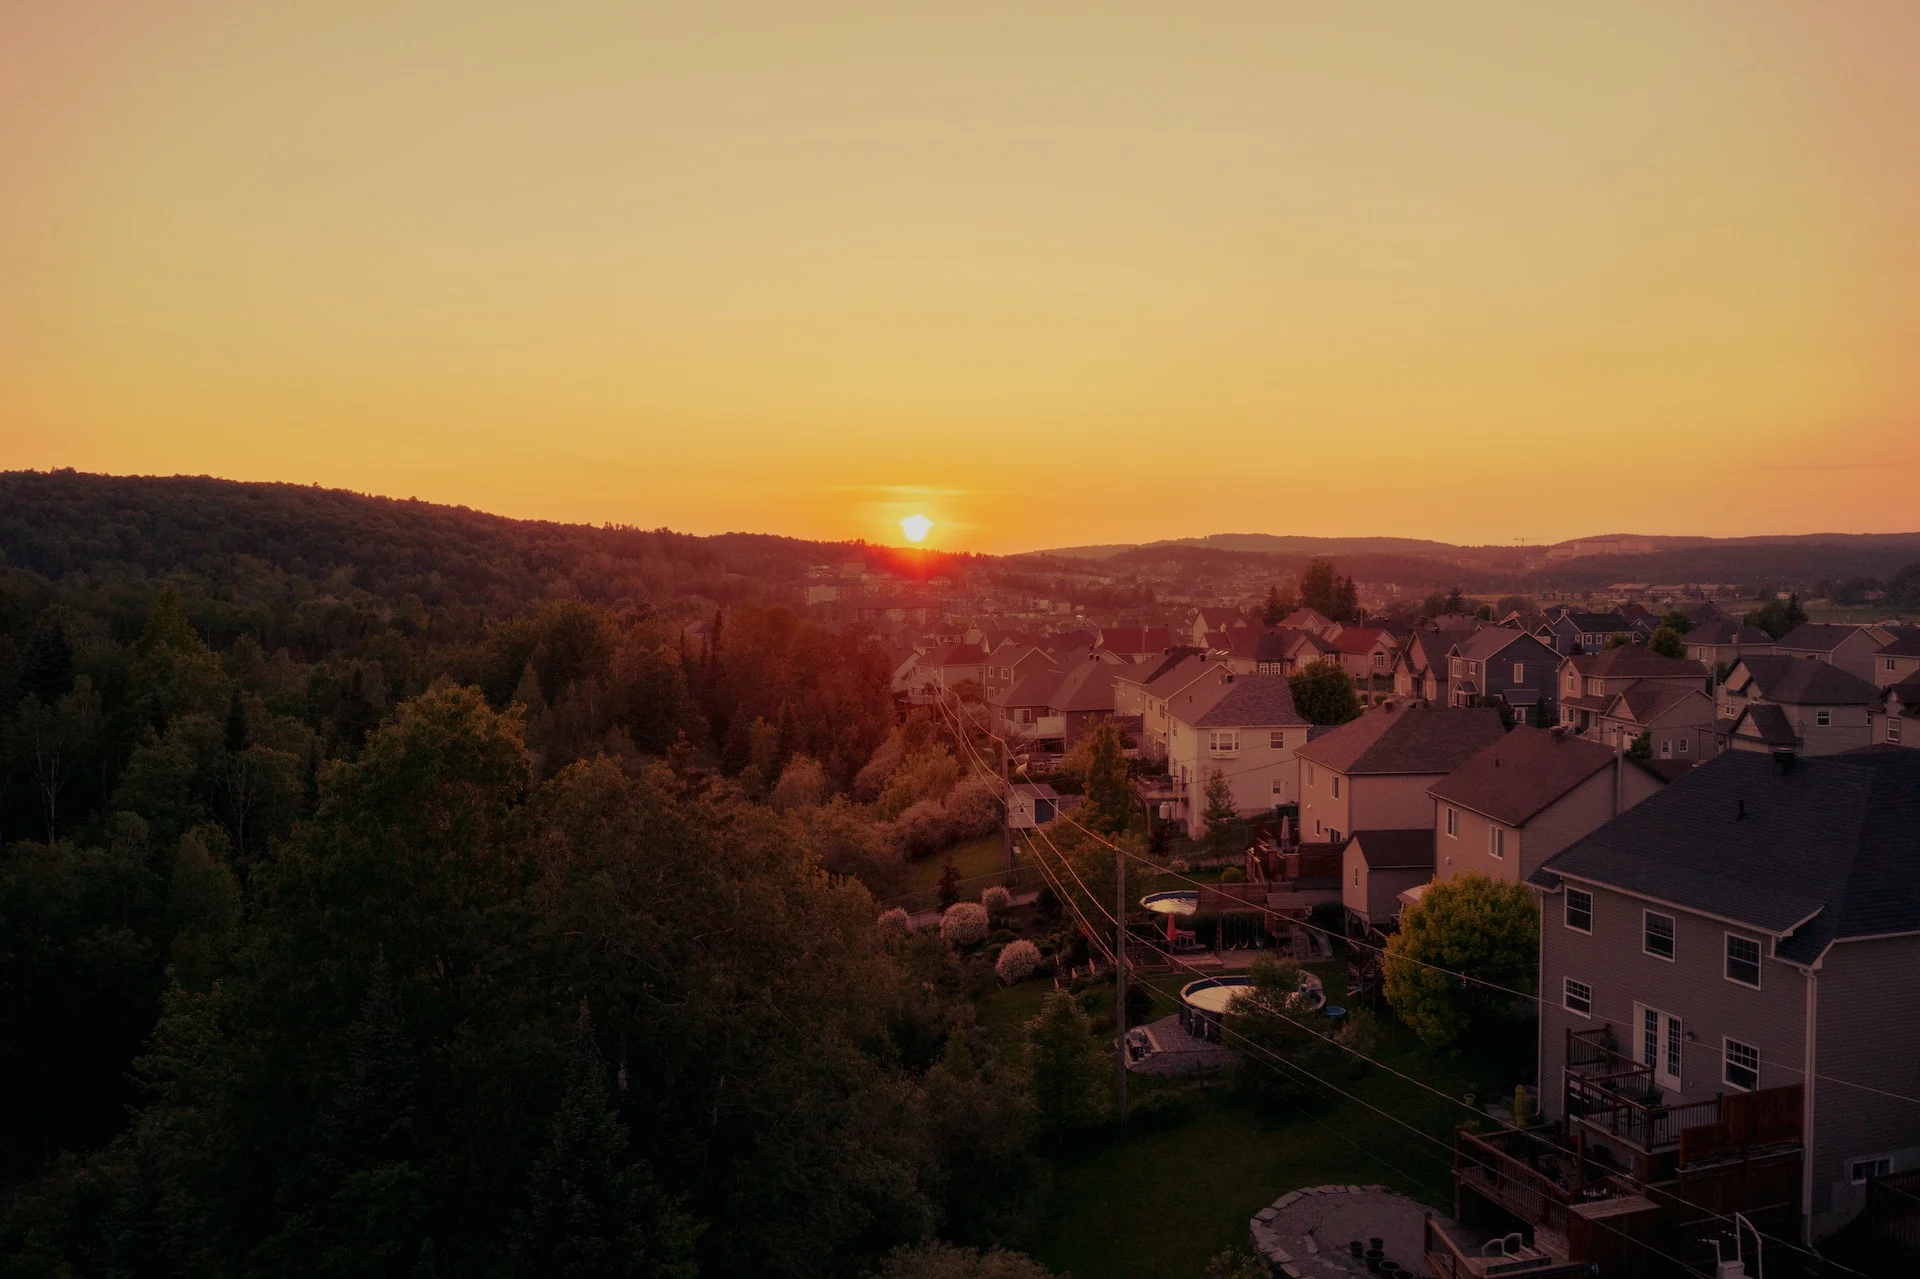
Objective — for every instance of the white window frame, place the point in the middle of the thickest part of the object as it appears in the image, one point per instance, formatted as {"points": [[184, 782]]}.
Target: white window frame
{"points": [[1727, 1045], [1453, 823], [1823, 719], [1673, 928], [1873, 1165], [1223, 741], [1726, 960], [1497, 842], [1566, 913], [1519, 672], [1309, 776], [1664, 1048], [1666, 748], [1276, 739], [1356, 876], [1683, 744], [1568, 997], [1336, 785], [1893, 728]]}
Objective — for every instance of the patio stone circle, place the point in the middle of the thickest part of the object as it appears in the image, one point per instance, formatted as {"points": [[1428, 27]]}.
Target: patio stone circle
{"points": [[1305, 1233]]}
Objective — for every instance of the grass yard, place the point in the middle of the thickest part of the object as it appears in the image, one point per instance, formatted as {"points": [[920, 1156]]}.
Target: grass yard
{"points": [[982, 864], [1159, 1204]]}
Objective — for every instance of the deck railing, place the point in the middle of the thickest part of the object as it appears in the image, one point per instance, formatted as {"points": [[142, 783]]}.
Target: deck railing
{"points": [[1515, 1185], [1447, 1260], [1608, 1089]]}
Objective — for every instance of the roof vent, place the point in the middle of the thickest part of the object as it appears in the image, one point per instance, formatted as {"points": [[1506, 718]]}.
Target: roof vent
{"points": [[1740, 815]]}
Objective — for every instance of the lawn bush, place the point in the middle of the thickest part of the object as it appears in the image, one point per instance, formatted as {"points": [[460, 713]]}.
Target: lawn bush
{"points": [[893, 923], [922, 828], [1232, 875], [996, 899], [964, 924], [973, 808], [1017, 962]]}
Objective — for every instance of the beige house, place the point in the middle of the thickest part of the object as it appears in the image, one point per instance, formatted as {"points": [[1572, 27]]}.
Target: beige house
{"points": [[1209, 623], [1680, 723], [1373, 773], [1898, 723], [1898, 659], [1590, 681], [1423, 673], [1244, 727], [1007, 665], [1718, 639], [1143, 690], [1851, 648], [1790, 703], [1526, 797]]}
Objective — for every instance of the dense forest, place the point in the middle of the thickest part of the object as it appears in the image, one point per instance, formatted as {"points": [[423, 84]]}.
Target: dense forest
{"points": [[387, 890]]}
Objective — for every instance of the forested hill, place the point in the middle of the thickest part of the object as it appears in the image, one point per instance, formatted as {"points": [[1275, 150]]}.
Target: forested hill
{"points": [[119, 528]]}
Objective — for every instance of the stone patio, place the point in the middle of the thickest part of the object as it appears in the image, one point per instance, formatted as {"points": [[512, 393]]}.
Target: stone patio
{"points": [[1175, 1052], [1306, 1232]]}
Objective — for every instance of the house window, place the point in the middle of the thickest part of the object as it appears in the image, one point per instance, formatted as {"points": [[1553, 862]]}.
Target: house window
{"points": [[1276, 740], [1742, 1069], [1683, 746], [1317, 829], [1453, 823], [1225, 742], [1578, 997], [1519, 672], [1496, 841], [1893, 728], [1659, 1038], [1279, 788], [1356, 877], [1666, 748], [1593, 688], [1861, 1169], [1309, 774], [1823, 718], [1580, 910], [1743, 960], [1336, 786], [1658, 937]]}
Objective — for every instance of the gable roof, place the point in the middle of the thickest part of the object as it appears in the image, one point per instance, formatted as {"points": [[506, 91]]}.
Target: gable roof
{"points": [[1724, 630], [1413, 739], [1815, 851], [1905, 643], [1612, 623], [1766, 724], [1523, 773], [1034, 690], [1226, 700], [1636, 661], [1395, 849], [1428, 649], [959, 655], [1145, 673], [1484, 645], [1358, 639], [1306, 619], [1645, 701], [1136, 639], [1819, 637], [1798, 681], [1085, 686], [1218, 619]]}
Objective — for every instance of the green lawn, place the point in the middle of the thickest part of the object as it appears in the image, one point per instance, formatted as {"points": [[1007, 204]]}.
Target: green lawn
{"points": [[982, 863], [1158, 1205]]}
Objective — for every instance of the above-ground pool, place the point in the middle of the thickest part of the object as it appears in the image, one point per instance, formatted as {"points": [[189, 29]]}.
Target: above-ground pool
{"points": [[1174, 903], [1202, 1003]]}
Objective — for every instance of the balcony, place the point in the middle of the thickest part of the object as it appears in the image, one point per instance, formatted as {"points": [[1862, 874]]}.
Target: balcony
{"points": [[1448, 1258], [1617, 1097]]}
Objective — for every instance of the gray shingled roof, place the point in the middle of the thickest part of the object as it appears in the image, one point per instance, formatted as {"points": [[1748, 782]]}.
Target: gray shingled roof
{"points": [[1801, 681], [1818, 637], [1636, 661], [1396, 849], [1906, 643], [1516, 777], [1724, 630], [1817, 851], [1412, 739], [1766, 723], [1253, 701]]}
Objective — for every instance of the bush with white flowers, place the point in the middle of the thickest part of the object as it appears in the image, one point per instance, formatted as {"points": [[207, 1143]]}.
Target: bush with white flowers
{"points": [[1017, 961], [996, 898], [893, 923], [964, 924]]}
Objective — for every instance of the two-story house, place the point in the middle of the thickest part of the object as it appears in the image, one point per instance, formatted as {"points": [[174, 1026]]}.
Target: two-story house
{"points": [[1009, 663], [1309, 619], [1716, 641], [1373, 772], [1899, 707], [1136, 643], [1590, 681], [1142, 689], [1376, 867], [1525, 797], [1720, 979], [1586, 632], [1210, 623], [1898, 659], [1244, 727], [1812, 707], [1680, 724], [1507, 665], [1424, 672], [1851, 648]]}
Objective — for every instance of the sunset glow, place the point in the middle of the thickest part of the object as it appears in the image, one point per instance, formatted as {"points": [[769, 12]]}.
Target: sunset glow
{"points": [[916, 527], [1088, 274]]}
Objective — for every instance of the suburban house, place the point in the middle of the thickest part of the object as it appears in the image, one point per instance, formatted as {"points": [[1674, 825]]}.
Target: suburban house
{"points": [[1898, 704], [1716, 640], [1814, 708], [1373, 772], [1898, 659], [957, 664], [1246, 727], [1680, 724], [1587, 632], [1366, 653], [1139, 689], [1376, 867], [1309, 619], [1423, 672], [1721, 1011], [1135, 643], [1276, 650], [1010, 663], [1508, 809], [1210, 623], [1051, 709], [1851, 648], [1506, 664], [1590, 681]]}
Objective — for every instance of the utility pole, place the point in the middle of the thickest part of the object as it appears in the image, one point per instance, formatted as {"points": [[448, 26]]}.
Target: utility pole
{"points": [[1006, 815], [1120, 976]]}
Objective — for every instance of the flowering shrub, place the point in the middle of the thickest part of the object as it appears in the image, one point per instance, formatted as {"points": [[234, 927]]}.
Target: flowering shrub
{"points": [[1179, 866], [1017, 961], [964, 924], [996, 898], [973, 809], [922, 829], [893, 923]]}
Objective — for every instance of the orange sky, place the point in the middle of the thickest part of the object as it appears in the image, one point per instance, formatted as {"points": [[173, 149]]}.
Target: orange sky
{"points": [[1052, 273]]}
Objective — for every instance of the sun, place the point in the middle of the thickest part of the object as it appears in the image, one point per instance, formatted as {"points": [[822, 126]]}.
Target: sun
{"points": [[916, 527]]}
